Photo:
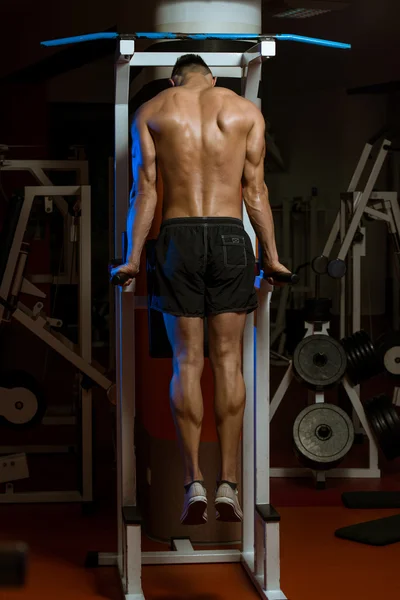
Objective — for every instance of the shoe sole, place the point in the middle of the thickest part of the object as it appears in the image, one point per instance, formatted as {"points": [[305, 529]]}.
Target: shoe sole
{"points": [[194, 514], [227, 512]]}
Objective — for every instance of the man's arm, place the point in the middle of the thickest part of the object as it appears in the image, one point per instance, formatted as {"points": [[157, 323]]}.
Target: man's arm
{"points": [[255, 191], [144, 193]]}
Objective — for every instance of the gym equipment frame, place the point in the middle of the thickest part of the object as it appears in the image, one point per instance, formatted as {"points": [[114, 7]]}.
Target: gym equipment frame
{"points": [[260, 550], [383, 206], [259, 554], [80, 355]]}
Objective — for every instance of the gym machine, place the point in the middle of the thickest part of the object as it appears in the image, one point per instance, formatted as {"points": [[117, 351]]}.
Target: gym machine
{"points": [[21, 401], [323, 434], [260, 545]]}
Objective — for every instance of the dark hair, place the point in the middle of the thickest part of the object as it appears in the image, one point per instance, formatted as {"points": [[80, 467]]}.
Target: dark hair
{"points": [[190, 62]]}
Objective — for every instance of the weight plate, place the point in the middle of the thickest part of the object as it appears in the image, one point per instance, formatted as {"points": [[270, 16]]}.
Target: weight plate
{"points": [[359, 363], [22, 402], [388, 350], [363, 348], [393, 420], [351, 367], [323, 434], [378, 428], [368, 351], [363, 361], [319, 361], [385, 423], [391, 360], [18, 405]]}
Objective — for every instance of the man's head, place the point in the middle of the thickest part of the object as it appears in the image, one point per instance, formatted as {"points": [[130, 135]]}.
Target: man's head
{"points": [[189, 65]]}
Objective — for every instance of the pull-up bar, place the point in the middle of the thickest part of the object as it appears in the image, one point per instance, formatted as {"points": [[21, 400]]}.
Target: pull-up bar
{"points": [[285, 37]]}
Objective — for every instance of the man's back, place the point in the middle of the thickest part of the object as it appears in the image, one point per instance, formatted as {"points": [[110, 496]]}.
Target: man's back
{"points": [[200, 138]]}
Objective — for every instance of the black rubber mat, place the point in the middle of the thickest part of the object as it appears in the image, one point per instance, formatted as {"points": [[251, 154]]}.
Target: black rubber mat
{"points": [[371, 499], [380, 532]]}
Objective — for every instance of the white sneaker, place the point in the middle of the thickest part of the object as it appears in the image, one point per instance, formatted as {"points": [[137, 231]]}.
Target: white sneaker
{"points": [[195, 505], [227, 504]]}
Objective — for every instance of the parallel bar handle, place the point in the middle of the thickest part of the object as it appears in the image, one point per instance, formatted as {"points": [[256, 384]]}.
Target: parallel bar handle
{"points": [[283, 277]]}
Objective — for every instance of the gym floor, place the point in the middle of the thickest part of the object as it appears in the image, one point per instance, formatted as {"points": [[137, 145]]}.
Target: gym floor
{"points": [[314, 563]]}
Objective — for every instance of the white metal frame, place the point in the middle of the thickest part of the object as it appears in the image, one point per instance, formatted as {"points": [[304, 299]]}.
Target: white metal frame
{"points": [[80, 355], [38, 168], [260, 545]]}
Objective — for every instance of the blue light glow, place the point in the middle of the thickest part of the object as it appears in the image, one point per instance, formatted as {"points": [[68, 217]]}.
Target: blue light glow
{"points": [[79, 39], [289, 37], [195, 36]]}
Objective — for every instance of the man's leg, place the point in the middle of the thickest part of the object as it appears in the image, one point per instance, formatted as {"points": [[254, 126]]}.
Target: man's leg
{"points": [[186, 337], [225, 342]]}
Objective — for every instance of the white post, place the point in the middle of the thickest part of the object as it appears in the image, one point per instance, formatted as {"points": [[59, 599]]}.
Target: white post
{"points": [[343, 303], [124, 307], [262, 437], [251, 85]]}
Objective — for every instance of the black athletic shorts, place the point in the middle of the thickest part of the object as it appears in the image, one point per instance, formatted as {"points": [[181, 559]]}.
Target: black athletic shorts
{"points": [[203, 266]]}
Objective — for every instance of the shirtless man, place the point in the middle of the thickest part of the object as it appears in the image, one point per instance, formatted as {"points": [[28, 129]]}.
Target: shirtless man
{"points": [[206, 141]]}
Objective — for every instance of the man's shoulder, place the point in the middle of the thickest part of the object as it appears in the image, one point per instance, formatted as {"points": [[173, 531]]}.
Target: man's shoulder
{"points": [[147, 108], [240, 100]]}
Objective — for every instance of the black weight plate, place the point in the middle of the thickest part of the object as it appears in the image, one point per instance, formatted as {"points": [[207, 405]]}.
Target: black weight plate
{"points": [[361, 355], [362, 366], [370, 411], [352, 369], [392, 419], [389, 440], [369, 366], [368, 351], [382, 432], [315, 449], [351, 362], [354, 357], [319, 361]]}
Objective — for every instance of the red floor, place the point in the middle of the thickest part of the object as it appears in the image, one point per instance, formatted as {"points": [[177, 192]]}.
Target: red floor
{"points": [[315, 565]]}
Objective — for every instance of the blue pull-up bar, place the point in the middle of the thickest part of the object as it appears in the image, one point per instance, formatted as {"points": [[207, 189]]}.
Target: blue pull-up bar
{"points": [[195, 36]]}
